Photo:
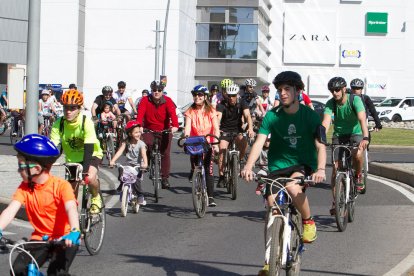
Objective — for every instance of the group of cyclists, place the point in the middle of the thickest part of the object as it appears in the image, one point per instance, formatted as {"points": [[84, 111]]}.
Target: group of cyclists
{"points": [[289, 128]]}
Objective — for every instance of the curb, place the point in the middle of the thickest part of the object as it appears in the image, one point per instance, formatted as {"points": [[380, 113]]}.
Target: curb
{"points": [[392, 172], [385, 148]]}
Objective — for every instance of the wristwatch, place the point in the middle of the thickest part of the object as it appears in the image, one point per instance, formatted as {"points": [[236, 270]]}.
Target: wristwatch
{"points": [[365, 138]]}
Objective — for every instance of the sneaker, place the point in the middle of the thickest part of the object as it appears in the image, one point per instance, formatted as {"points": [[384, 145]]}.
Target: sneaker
{"points": [[359, 183], [190, 177], [264, 271], [141, 200], [165, 184], [100, 136], [119, 189], [220, 183], [211, 202], [309, 230], [96, 205], [14, 134]]}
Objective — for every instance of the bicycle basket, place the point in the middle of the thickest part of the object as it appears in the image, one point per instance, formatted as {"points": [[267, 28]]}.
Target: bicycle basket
{"points": [[129, 175], [196, 145]]}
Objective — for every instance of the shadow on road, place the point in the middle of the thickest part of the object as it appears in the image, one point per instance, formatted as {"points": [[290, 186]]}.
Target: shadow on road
{"points": [[173, 266], [325, 223], [324, 272]]}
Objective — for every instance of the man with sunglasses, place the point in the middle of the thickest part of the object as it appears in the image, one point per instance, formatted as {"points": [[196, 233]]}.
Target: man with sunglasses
{"points": [[99, 103], [156, 112], [77, 135], [350, 125]]}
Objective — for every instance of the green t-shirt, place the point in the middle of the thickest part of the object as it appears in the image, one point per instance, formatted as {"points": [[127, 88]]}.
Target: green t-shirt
{"points": [[73, 138], [346, 121], [293, 137]]}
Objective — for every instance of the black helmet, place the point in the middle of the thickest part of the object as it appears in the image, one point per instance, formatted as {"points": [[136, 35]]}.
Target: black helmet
{"points": [[214, 87], [156, 85], [290, 78], [107, 90], [336, 82], [121, 84], [37, 148], [357, 83]]}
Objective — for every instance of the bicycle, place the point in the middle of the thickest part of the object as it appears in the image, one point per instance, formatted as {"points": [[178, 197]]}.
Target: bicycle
{"points": [[120, 131], [6, 122], [283, 234], [47, 126], [231, 164], [128, 176], [198, 146], [19, 131], [33, 268], [92, 226], [107, 135], [345, 192], [155, 161]]}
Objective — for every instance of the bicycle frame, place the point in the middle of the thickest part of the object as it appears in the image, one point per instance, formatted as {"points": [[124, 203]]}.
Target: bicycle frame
{"points": [[344, 167]]}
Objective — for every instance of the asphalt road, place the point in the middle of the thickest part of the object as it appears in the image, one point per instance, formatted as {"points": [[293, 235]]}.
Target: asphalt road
{"points": [[167, 238]]}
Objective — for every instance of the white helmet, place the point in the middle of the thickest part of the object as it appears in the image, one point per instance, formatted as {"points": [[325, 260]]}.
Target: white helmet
{"points": [[232, 89], [250, 82]]}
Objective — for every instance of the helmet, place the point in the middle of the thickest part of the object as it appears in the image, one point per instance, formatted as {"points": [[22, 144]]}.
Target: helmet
{"points": [[109, 103], [357, 83], [131, 125], [336, 82], [233, 89], [145, 91], [200, 88], [157, 85], [226, 83], [121, 84], [250, 82], [72, 86], [107, 90], [265, 88], [72, 97], [45, 92], [38, 148], [288, 77], [214, 87]]}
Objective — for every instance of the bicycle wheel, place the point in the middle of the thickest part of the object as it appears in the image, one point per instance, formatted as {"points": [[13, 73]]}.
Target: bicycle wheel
{"points": [[296, 246], [95, 230], [13, 139], [124, 201], [135, 205], [199, 194], [364, 171], [109, 147], [351, 202], [156, 179], [234, 176], [275, 261], [3, 128], [341, 208]]}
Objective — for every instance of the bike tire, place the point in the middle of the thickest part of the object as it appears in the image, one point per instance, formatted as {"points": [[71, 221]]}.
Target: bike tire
{"points": [[351, 203], [296, 245], [364, 171], [124, 201], [135, 206], [4, 128], [275, 261], [109, 147], [156, 179], [199, 194], [341, 208], [13, 139], [234, 176], [95, 232]]}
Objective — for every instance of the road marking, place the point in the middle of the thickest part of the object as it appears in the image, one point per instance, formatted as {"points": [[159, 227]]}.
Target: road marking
{"points": [[408, 262]]}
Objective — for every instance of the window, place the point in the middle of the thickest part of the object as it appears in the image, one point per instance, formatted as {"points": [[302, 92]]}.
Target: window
{"points": [[241, 15], [215, 14], [226, 49]]}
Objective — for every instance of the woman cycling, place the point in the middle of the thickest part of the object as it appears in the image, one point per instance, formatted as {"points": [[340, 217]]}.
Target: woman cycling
{"points": [[201, 119]]}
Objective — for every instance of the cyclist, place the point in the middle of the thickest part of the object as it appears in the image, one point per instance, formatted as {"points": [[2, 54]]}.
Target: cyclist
{"points": [[77, 135], [144, 93], [107, 118], [100, 101], [216, 99], [200, 120], [121, 97], [357, 85], [156, 112], [294, 149], [251, 99], [230, 115], [214, 89], [45, 108], [265, 101], [50, 207], [350, 125]]}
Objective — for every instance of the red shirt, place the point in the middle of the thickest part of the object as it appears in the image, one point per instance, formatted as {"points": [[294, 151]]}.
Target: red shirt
{"points": [[157, 117], [306, 99]]}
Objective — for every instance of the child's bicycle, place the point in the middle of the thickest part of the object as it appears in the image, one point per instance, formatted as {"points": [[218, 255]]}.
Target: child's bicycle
{"points": [[128, 175], [33, 268]]}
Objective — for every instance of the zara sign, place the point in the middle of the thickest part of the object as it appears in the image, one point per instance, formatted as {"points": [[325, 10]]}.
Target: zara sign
{"points": [[310, 37]]}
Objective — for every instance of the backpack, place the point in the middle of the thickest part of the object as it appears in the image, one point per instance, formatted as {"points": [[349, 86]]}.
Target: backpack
{"points": [[62, 125], [351, 103]]}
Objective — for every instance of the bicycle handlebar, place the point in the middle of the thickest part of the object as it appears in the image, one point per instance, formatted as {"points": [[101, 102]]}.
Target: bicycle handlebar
{"points": [[208, 135], [302, 181], [165, 131]]}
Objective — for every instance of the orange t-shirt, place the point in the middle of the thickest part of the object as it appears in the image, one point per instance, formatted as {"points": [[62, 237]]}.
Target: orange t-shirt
{"points": [[201, 122], [45, 206]]}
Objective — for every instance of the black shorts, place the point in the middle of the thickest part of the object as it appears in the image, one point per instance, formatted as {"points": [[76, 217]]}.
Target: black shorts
{"points": [[228, 138], [345, 139], [95, 162], [286, 172]]}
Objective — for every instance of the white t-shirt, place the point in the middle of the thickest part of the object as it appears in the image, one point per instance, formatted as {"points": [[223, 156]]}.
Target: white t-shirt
{"points": [[121, 100], [46, 107]]}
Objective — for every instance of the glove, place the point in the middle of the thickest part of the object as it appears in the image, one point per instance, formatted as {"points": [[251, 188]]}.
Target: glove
{"points": [[73, 236]]}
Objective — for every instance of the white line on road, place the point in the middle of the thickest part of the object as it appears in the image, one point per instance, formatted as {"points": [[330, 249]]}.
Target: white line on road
{"points": [[408, 262]]}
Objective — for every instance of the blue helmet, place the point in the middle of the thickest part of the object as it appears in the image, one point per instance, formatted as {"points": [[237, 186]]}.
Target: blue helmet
{"points": [[200, 88], [38, 148]]}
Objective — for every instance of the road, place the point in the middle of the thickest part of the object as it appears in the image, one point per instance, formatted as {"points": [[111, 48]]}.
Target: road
{"points": [[168, 239]]}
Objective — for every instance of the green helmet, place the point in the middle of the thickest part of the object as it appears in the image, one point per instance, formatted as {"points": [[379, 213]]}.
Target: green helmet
{"points": [[226, 83]]}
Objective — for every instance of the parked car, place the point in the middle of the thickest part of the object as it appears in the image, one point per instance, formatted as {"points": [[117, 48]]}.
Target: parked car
{"points": [[396, 109]]}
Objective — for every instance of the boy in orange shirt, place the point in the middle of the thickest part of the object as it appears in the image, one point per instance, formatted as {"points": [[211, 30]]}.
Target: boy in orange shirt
{"points": [[50, 206]]}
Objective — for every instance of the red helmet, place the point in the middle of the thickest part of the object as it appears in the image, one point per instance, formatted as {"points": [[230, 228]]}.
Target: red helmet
{"points": [[131, 125], [265, 88]]}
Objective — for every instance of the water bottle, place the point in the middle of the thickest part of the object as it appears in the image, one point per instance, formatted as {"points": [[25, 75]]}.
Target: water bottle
{"points": [[280, 198], [32, 270]]}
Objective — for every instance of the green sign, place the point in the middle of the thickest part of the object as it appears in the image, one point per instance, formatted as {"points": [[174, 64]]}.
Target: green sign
{"points": [[377, 22]]}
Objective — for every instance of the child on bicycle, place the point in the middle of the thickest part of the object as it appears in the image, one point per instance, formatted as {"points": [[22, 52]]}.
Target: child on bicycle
{"points": [[107, 117], [50, 206], [135, 151]]}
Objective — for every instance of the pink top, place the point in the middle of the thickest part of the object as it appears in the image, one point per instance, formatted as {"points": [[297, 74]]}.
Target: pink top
{"points": [[201, 122], [107, 116]]}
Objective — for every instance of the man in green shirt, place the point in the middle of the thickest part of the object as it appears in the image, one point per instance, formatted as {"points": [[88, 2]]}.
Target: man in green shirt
{"points": [[350, 125], [79, 142], [294, 150]]}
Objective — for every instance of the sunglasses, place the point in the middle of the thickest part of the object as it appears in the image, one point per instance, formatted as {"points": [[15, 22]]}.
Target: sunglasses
{"points": [[336, 90], [198, 94], [232, 96], [70, 107], [24, 166], [158, 90]]}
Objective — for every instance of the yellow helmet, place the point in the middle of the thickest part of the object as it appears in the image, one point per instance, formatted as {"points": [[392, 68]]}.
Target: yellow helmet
{"points": [[226, 83]]}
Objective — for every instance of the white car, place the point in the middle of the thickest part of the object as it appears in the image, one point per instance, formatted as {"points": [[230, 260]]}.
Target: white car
{"points": [[396, 109]]}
